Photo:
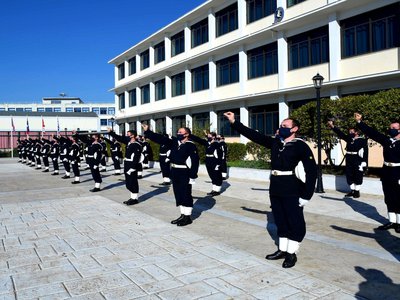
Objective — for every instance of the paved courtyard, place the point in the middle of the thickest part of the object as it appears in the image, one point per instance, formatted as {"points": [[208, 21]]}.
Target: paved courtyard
{"points": [[59, 241]]}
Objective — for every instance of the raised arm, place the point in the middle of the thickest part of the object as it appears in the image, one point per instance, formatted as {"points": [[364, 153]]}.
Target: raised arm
{"points": [[369, 131], [198, 140]]}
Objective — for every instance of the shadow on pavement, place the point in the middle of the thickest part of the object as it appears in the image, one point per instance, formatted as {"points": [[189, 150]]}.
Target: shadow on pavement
{"points": [[201, 205], [270, 226], [157, 191]]}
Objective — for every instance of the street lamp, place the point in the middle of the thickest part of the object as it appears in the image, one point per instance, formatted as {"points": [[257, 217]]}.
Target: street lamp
{"points": [[65, 130], [318, 79], [112, 119]]}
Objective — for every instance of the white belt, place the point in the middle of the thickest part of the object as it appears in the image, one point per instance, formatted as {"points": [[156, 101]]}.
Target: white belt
{"points": [[390, 164], [281, 173], [178, 166], [128, 159], [210, 155], [90, 156], [163, 154], [352, 153]]}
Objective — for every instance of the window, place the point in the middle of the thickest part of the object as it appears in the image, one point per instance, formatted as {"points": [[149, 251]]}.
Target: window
{"points": [[199, 33], [228, 70], [161, 125], [132, 65], [258, 9], [309, 48], [19, 109], [144, 60], [111, 111], [103, 122], [69, 109], [103, 110], [55, 101], [293, 2], [97, 110], [110, 123], [29, 109], [370, 32], [121, 71], [201, 121], [159, 52], [177, 43], [121, 101], [56, 109], [226, 19], [85, 109], [262, 61], [200, 79], [178, 122], [145, 94], [224, 127], [159, 89], [178, 84], [2, 109], [39, 109], [265, 119], [132, 98], [77, 109]]}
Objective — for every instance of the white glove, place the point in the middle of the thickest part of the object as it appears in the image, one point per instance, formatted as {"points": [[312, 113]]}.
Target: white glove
{"points": [[216, 167], [65, 159], [192, 181], [302, 202], [95, 167], [363, 164], [167, 160], [129, 172], [116, 157]]}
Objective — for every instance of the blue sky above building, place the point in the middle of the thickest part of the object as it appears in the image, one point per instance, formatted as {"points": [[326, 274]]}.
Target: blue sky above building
{"points": [[50, 47]]}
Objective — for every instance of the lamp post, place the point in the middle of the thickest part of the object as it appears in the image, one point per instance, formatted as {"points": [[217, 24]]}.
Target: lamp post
{"points": [[318, 79], [112, 119]]}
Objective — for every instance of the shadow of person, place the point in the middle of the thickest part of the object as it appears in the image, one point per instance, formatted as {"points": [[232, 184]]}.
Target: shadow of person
{"points": [[113, 185], [384, 238], [360, 207], [225, 186], [377, 285], [201, 205], [157, 191]]}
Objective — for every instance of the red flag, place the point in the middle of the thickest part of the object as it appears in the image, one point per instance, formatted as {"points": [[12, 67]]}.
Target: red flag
{"points": [[27, 126], [43, 126]]}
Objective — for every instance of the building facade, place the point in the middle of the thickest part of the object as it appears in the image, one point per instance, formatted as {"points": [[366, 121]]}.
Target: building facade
{"points": [[257, 59]]}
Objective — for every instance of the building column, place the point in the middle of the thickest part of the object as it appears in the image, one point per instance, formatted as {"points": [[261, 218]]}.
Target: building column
{"points": [[211, 27], [213, 120], [153, 125], [283, 108], [168, 125], [212, 77], [138, 64], [242, 18], [168, 86], [334, 47], [126, 98], [189, 120], [243, 69], [283, 60], [188, 39], [151, 55], [244, 119], [167, 45], [152, 91], [188, 82], [139, 127]]}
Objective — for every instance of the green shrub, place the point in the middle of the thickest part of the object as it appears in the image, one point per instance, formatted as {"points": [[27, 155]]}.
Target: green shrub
{"points": [[155, 149], [258, 152], [236, 151]]}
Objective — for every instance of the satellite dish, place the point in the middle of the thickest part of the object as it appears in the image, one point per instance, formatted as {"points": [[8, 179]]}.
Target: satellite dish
{"points": [[279, 13], [63, 94]]}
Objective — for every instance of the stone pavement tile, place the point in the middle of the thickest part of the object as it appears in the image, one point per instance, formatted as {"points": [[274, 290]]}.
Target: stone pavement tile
{"points": [[117, 258], [218, 271], [148, 297], [278, 291], [131, 291], [46, 252], [85, 242], [141, 277], [188, 265], [245, 263], [41, 291], [156, 272], [57, 296], [101, 270], [17, 253], [313, 286], [189, 292], [43, 277], [151, 250], [224, 287], [149, 260], [218, 254], [95, 252], [6, 285], [160, 286], [84, 262], [302, 296], [20, 269], [339, 295], [23, 261], [96, 284], [11, 243], [91, 296], [9, 296], [61, 246], [55, 262], [217, 296]]}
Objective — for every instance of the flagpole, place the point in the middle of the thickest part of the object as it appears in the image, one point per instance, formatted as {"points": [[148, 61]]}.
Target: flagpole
{"points": [[12, 139]]}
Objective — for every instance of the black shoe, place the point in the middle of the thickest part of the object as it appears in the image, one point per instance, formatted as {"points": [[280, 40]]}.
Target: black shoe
{"points": [[165, 183], [132, 202], [95, 190], [140, 176], [356, 194], [38, 168], [351, 194], [65, 177], [54, 174], [75, 182], [177, 220], [45, 171], [276, 255], [117, 174], [213, 193], [104, 170], [387, 226], [186, 220], [290, 260]]}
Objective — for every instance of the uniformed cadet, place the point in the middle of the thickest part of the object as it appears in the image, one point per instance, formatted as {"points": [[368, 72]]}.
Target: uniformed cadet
{"points": [[74, 158], [31, 157], [45, 151], [19, 149], [116, 154], [133, 157], [104, 156], [213, 154], [147, 153], [356, 158], [224, 148], [391, 168], [64, 149], [54, 154], [288, 194], [184, 167], [163, 159], [38, 154]]}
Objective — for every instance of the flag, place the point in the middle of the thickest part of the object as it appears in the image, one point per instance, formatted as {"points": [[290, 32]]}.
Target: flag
{"points": [[12, 124], [27, 126], [43, 126], [58, 127]]}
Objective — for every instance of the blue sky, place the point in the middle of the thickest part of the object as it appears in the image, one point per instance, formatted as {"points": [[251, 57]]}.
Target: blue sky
{"points": [[52, 46]]}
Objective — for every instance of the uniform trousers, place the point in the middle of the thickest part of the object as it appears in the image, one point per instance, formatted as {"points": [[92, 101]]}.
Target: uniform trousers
{"points": [[95, 173], [391, 192], [66, 164], [182, 188], [75, 168], [131, 181], [55, 163], [46, 160], [38, 160], [289, 217], [165, 167], [353, 173], [117, 164], [215, 175]]}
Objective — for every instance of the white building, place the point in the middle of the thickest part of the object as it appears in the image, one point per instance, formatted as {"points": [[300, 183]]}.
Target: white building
{"points": [[241, 55]]}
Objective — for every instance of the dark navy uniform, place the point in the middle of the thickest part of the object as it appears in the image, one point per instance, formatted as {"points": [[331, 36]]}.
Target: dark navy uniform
{"points": [[356, 160], [94, 155], [45, 151], [64, 149], [390, 176], [104, 156], [224, 166], [74, 159], [184, 167], [54, 154], [285, 188], [116, 154], [164, 160], [38, 154]]}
